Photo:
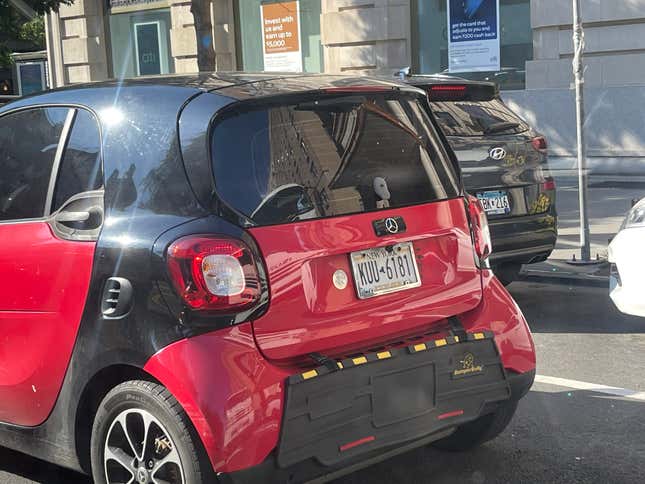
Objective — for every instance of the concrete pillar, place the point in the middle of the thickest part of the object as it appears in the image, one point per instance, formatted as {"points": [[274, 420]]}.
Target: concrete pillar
{"points": [[224, 34], [55, 67], [77, 43], [365, 37], [184, 42]]}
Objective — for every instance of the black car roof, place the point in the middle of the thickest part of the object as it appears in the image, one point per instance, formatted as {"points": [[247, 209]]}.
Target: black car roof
{"points": [[235, 85], [278, 82]]}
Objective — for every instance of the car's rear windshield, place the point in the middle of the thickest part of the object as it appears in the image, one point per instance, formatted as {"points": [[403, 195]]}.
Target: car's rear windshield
{"points": [[329, 156], [477, 118]]}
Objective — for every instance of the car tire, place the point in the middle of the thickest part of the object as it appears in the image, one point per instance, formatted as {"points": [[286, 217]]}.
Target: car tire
{"points": [[475, 433], [170, 437], [507, 273]]}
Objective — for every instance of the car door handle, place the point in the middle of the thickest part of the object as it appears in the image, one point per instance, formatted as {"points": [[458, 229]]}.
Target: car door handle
{"points": [[73, 217]]}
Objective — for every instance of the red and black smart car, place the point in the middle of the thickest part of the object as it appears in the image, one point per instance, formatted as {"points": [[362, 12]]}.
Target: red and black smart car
{"points": [[244, 278]]}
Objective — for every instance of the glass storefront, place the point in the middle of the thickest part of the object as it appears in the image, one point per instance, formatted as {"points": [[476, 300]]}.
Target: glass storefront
{"points": [[141, 43], [250, 35], [430, 41]]}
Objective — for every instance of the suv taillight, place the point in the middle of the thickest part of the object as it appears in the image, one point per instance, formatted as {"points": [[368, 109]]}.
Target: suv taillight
{"points": [[479, 227], [540, 144], [212, 273], [548, 184]]}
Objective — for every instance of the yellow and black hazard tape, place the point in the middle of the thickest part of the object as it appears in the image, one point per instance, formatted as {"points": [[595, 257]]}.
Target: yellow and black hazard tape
{"points": [[385, 354]]}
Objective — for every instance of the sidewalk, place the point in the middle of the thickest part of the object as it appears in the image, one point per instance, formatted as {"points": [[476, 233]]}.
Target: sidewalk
{"points": [[609, 200]]}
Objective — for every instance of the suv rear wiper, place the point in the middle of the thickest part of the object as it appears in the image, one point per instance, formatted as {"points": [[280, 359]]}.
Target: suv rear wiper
{"points": [[497, 127]]}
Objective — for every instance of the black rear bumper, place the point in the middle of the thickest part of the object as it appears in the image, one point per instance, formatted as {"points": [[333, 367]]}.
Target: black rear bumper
{"points": [[523, 240], [337, 422]]}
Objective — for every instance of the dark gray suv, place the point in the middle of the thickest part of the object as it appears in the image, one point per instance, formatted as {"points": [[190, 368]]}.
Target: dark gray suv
{"points": [[504, 163]]}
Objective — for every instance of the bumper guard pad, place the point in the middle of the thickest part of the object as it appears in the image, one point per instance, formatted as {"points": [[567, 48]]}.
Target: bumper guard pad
{"points": [[381, 399]]}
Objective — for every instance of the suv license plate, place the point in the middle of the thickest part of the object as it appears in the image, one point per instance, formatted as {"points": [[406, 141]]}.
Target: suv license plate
{"points": [[495, 203], [383, 270]]}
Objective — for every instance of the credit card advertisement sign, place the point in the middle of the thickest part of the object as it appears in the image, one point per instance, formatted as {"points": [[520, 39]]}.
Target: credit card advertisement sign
{"points": [[281, 36], [473, 40]]}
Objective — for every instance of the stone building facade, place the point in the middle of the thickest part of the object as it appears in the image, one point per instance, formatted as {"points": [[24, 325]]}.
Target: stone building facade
{"points": [[99, 39], [614, 43], [356, 36], [83, 45]]}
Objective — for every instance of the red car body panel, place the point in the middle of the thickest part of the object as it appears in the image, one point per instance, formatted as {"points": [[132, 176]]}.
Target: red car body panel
{"points": [[42, 295], [234, 396], [309, 314], [499, 313]]}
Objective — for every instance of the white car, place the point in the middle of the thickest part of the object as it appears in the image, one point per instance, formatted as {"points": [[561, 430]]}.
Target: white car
{"points": [[627, 257]]}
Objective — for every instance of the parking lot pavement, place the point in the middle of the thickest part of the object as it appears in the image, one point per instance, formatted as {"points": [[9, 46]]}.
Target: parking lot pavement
{"points": [[581, 429]]}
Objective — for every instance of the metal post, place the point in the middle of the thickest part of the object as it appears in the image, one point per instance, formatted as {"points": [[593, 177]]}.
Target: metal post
{"points": [[578, 44]]}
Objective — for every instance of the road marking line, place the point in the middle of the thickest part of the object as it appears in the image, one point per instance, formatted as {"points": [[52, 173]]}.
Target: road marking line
{"points": [[593, 387]]}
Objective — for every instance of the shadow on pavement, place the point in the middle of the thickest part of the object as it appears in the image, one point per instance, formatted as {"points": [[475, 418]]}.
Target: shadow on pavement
{"points": [[562, 437], [555, 437], [19, 469], [569, 308]]}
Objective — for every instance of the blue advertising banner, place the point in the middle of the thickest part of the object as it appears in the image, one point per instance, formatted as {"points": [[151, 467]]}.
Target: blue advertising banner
{"points": [[473, 40]]}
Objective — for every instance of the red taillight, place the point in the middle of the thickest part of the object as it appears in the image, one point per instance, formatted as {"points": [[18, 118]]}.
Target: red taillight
{"points": [[447, 92], [214, 273], [548, 184], [448, 88], [539, 143], [479, 225]]}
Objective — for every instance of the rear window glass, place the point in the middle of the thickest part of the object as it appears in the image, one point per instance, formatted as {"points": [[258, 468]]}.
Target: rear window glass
{"points": [[328, 157], [477, 118]]}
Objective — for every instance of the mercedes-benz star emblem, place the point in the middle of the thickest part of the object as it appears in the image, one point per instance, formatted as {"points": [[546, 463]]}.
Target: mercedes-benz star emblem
{"points": [[391, 225], [497, 153]]}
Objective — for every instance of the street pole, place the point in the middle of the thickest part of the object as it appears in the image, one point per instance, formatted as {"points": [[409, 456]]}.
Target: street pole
{"points": [[578, 73]]}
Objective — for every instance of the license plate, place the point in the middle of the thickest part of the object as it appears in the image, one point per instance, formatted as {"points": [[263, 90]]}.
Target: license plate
{"points": [[495, 203], [384, 270]]}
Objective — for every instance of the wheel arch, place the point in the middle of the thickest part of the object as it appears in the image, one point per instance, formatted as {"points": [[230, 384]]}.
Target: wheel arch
{"points": [[93, 393]]}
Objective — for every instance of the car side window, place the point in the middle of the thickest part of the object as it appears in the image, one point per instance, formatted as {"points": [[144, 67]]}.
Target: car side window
{"points": [[80, 167], [28, 144]]}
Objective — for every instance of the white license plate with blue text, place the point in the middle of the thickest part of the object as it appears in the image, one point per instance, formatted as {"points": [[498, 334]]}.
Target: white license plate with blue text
{"points": [[383, 270], [495, 202]]}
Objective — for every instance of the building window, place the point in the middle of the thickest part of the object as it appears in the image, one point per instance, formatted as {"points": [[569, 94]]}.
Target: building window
{"points": [[31, 77], [141, 43], [430, 41], [250, 34]]}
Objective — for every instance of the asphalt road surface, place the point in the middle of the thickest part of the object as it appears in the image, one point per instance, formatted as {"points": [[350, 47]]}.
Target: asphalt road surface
{"points": [[583, 421]]}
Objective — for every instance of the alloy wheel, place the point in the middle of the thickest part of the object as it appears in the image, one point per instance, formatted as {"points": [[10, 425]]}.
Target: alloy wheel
{"points": [[139, 450]]}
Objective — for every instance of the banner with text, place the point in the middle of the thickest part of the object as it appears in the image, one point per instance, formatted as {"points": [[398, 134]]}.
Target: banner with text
{"points": [[281, 36], [473, 35]]}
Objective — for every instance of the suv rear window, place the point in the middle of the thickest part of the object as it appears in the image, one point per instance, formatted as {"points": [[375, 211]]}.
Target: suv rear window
{"points": [[329, 156], [477, 118]]}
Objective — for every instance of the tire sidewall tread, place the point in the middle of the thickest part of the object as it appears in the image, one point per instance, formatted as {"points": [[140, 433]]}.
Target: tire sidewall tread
{"points": [[157, 400]]}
